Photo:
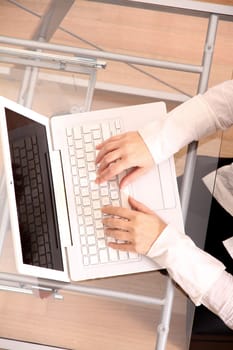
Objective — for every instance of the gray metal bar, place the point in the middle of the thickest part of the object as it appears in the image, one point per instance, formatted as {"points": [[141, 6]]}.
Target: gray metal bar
{"points": [[192, 148], [103, 55], [186, 186], [61, 59], [51, 20], [31, 87], [46, 28], [48, 65], [184, 7], [16, 289], [163, 327], [90, 90], [29, 283], [208, 52], [24, 85]]}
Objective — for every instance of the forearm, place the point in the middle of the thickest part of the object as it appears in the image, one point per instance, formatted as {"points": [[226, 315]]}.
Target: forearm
{"points": [[200, 116], [219, 299], [193, 269]]}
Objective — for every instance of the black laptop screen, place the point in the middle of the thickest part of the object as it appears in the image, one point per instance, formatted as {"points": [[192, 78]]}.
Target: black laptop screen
{"points": [[34, 192]]}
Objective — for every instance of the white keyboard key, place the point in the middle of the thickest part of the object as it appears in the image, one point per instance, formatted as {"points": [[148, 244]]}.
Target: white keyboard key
{"points": [[105, 201], [76, 190], [83, 240], [91, 166], [79, 210], [81, 163], [78, 200], [92, 175], [95, 194], [105, 131], [114, 194], [96, 204], [87, 138], [82, 172], [79, 153], [72, 160], [118, 124], [113, 185], [91, 240], [133, 255], [93, 185], [103, 184], [93, 260], [116, 203], [83, 182], [97, 142], [85, 261], [112, 128], [84, 191], [70, 141], [123, 255], [100, 233], [86, 128], [92, 250], [101, 243], [104, 191], [77, 132], [96, 134], [86, 201], [90, 157], [88, 220], [113, 254], [80, 220], [87, 211], [82, 230], [90, 230], [97, 214], [75, 180], [78, 144], [89, 147], [72, 151], [98, 224], [103, 256], [84, 250], [74, 170]]}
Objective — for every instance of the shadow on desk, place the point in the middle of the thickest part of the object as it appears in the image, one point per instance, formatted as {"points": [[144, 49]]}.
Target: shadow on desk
{"points": [[209, 224]]}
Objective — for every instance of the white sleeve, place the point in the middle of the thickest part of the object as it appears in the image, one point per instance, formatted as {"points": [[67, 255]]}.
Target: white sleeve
{"points": [[198, 117], [219, 299], [193, 269]]}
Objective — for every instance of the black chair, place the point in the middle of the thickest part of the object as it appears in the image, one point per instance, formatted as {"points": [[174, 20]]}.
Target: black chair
{"points": [[208, 331]]}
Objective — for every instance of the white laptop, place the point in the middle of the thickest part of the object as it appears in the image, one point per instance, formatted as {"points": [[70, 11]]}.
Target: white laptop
{"points": [[55, 205]]}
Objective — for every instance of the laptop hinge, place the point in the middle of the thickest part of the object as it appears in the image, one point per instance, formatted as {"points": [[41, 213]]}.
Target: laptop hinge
{"points": [[60, 199]]}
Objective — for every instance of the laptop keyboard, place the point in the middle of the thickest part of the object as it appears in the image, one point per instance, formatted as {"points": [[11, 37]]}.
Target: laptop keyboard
{"points": [[89, 196], [31, 202]]}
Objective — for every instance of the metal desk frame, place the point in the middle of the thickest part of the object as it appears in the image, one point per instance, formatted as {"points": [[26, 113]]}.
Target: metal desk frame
{"points": [[88, 61]]}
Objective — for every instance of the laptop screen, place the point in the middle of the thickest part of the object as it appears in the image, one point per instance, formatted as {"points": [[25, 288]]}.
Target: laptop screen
{"points": [[36, 209]]}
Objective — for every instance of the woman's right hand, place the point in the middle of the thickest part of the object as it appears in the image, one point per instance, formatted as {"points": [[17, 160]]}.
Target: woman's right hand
{"points": [[123, 152]]}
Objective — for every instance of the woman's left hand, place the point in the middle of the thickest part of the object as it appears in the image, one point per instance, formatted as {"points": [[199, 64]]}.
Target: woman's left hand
{"points": [[136, 229]]}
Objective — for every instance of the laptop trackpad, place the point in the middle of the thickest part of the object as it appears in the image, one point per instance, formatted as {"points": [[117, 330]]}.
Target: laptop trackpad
{"points": [[160, 180]]}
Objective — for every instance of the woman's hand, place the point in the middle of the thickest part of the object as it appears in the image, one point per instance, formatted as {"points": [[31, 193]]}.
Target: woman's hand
{"points": [[136, 229], [122, 152]]}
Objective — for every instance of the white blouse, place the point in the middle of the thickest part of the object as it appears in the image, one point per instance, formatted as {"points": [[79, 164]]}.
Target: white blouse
{"points": [[200, 275]]}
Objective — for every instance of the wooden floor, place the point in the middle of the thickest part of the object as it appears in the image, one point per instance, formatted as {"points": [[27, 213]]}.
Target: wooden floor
{"points": [[80, 322]]}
